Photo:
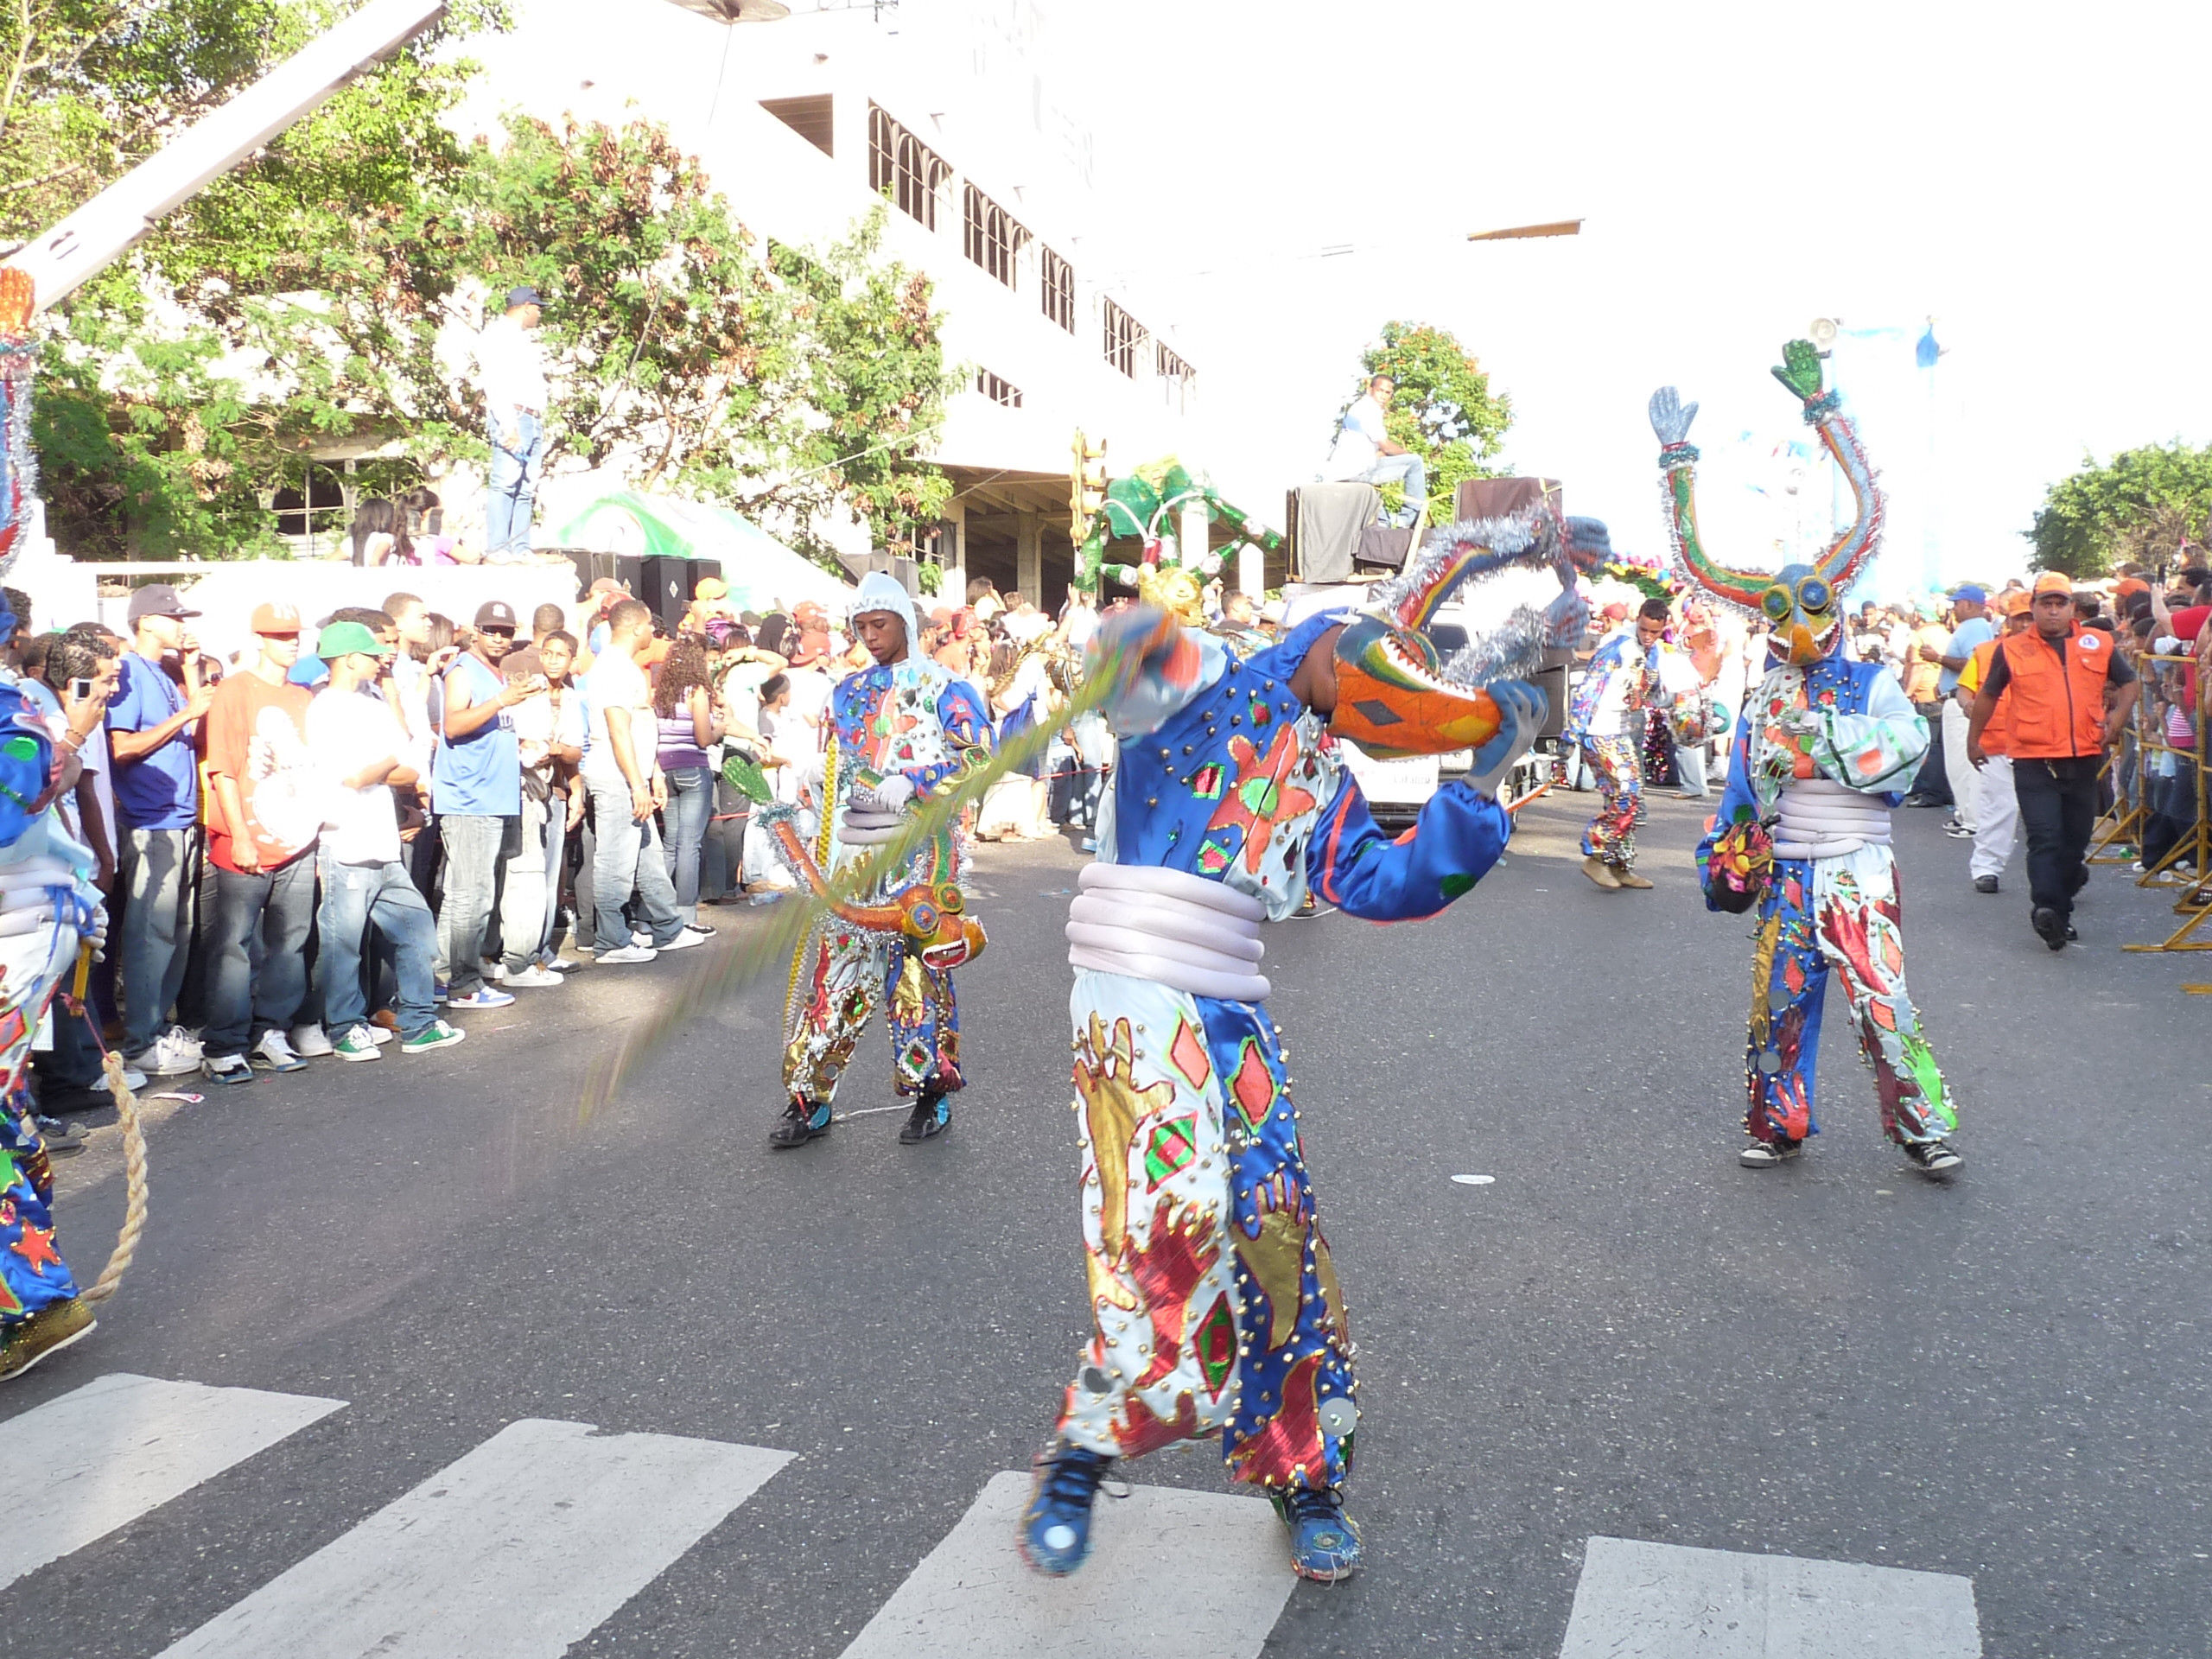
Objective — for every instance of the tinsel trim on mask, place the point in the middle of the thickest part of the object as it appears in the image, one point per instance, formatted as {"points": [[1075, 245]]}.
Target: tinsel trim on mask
{"points": [[1476, 551]]}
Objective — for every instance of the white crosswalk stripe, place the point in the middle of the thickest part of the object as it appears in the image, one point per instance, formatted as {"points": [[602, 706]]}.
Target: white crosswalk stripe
{"points": [[95, 1459], [514, 1551], [1639, 1601], [1172, 1575]]}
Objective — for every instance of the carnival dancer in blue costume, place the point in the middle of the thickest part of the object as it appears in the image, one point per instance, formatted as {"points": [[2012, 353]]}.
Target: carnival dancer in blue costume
{"points": [[1217, 1308], [48, 908], [1824, 749], [900, 732], [1600, 722]]}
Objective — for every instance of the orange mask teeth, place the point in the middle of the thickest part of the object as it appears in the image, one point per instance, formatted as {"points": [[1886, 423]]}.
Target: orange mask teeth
{"points": [[1393, 700]]}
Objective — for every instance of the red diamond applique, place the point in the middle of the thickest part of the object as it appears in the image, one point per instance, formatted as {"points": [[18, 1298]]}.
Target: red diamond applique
{"points": [[1254, 1085], [1188, 1051]]}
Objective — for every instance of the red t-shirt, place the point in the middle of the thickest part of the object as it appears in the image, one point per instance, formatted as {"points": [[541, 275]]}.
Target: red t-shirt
{"points": [[256, 736]]}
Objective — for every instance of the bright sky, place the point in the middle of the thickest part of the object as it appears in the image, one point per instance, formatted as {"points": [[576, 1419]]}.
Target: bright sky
{"points": [[2021, 172]]}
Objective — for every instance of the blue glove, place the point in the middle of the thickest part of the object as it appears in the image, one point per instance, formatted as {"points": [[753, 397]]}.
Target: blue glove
{"points": [[1520, 708]]}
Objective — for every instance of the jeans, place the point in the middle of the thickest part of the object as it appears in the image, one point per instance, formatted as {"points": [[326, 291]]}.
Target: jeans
{"points": [[514, 480], [1689, 767], [523, 907], [556, 858], [258, 943], [629, 860], [355, 898], [472, 842], [160, 876], [722, 863], [2058, 809], [1933, 784], [2172, 809], [1408, 469], [690, 804]]}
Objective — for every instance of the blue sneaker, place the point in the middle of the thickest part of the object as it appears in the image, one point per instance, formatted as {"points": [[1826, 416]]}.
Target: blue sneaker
{"points": [[1324, 1543], [1055, 1534], [484, 997]]}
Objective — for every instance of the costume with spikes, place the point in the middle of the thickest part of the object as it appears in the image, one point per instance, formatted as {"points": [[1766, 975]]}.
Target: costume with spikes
{"points": [[1823, 749], [1216, 1307], [896, 735], [1600, 722], [49, 905]]}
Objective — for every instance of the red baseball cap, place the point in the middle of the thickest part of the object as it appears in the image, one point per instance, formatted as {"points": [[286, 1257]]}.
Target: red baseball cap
{"points": [[275, 616]]}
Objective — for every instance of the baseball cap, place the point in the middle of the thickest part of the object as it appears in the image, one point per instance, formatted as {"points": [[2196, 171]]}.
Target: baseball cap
{"points": [[345, 639], [1971, 593], [2017, 603], [157, 599], [2055, 582], [526, 295], [711, 588], [275, 616], [496, 614]]}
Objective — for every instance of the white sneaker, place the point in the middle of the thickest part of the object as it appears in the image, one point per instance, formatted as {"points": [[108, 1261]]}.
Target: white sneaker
{"points": [[273, 1053], [311, 1042], [133, 1079], [690, 938], [162, 1058], [643, 941], [533, 976], [185, 1041], [627, 953], [380, 1035], [495, 973]]}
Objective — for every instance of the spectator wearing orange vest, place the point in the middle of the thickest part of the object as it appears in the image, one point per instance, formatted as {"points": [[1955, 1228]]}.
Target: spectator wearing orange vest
{"points": [[1997, 815], [2071, 696]]}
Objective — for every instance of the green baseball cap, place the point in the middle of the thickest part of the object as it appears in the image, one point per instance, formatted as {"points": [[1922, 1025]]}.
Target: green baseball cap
{"points": [[343, 639]]}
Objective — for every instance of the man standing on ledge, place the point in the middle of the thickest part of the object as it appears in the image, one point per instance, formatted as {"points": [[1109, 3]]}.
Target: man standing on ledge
{"points": [[512, 365], [2063, 677]]}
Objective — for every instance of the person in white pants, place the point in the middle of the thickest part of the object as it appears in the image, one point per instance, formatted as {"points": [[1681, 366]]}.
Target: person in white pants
{"points": [[1970, 628], [1997, 810]]}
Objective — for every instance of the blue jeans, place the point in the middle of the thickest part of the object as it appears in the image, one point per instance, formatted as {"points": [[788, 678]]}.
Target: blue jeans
{"points": [[471, 844], [628, 860], [514, 479], [355, 898], [259, 942], [690, 804], [160, 871], [1408, 469]]}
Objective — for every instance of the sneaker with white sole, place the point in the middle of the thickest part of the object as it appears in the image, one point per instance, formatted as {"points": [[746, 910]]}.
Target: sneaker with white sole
{"points": [[310, 1042], [354, 1042], [627, 954], [436, 1034], [642, 939], [133, 1079], [227, 1068], [690, 938], [533, 976], [164, 1058], [185, 1041], [273, 1053], [484, 997]]}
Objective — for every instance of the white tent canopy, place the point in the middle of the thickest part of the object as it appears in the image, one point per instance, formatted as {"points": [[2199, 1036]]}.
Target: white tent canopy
{"points": [[762, 573]]}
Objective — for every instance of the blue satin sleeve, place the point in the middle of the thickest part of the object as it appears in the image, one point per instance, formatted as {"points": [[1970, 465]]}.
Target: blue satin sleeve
{"points": [[967, 727], [1351, 864]]}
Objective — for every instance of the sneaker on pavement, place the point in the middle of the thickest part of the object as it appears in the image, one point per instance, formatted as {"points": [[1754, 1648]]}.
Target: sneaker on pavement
{"points": [[163, 1058], [1324, 1543], [1934, 1157], [273, 1053], [640, 937], [689, 938], [484, 997], [58, 1137], [436, 1034], [355, 1043], [932, 1116], [1985, 884], [185, 1041], [627, 953], [310, 1042], [227, 1068], [533, 978], [1765, 1154], [45, 1333], [1055, 1534], [439, 992], [800, 1123], [133, 1079]]}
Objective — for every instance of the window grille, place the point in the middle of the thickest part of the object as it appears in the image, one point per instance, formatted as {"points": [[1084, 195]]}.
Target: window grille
{"points": [[903, 167], [1125, 339], [999, 391], [994, 237], [1055, 280]]}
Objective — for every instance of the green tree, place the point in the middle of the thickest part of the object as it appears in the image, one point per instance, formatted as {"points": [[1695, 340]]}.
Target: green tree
{"points": [[1444, 411], [2140, 507]]}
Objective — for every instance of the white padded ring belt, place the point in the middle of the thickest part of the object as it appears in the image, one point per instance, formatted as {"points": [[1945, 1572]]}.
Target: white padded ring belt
{"points": [[1177, 929], [862, 827]]}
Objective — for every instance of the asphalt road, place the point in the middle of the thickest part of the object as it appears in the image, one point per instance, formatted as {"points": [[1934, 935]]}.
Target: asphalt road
{"points": [[1623, 1334]]}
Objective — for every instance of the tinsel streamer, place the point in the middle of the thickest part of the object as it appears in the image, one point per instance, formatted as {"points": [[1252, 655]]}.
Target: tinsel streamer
{"points": [[19, 355], [1479, 545], [1512, 650]]}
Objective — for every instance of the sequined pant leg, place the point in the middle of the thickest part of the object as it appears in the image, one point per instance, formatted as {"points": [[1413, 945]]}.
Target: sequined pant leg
{"points": [[1611, 835], [839, 976], [1790, 978], [1859, 922], [924, 1015], [1215, 1302], [32, 1276]]}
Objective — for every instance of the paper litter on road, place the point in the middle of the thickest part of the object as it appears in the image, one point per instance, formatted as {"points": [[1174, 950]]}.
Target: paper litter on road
{"points": [[178, 1094], [1474, 1181]]}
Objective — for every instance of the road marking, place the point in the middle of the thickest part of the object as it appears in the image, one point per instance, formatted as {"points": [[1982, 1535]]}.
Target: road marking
{"points": [[1640, 1601], [96, 1458], [1137, 1593], [514, 1551]]}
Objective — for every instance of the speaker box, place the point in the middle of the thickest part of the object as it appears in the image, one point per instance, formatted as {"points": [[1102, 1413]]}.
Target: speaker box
{"points": [[663, 584], [591, 566], [1494, 497], [1383, 547]]}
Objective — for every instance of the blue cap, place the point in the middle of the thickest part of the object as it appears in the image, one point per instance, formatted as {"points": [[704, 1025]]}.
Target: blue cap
{"points": [[1970, 592]]}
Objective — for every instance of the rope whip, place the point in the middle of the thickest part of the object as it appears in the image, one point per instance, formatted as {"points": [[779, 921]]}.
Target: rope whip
{"points": [[134, 1145]]}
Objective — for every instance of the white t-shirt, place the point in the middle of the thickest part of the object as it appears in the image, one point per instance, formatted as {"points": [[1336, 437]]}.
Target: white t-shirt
{"points": [[1360, 440], [347, 731], [811, 690], [512, 366], [615, 682]]}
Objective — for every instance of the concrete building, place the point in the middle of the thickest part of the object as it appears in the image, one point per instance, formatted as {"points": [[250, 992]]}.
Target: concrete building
{"points": [[940, 112]]}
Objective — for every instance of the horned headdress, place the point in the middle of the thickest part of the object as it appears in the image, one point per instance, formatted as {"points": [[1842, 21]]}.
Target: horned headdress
{"points": [[1802, 603]]}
